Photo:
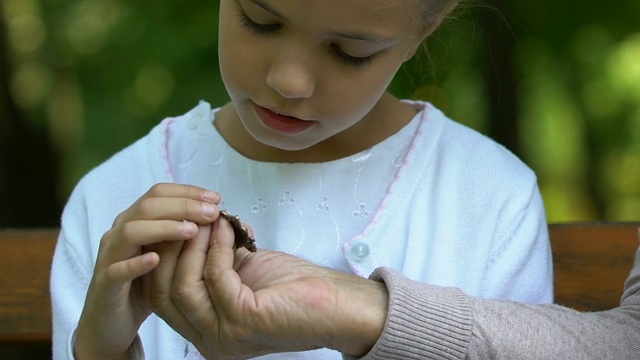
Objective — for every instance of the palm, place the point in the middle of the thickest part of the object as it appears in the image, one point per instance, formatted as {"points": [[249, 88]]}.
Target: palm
{"points": [[276, 296], [237, 304]]}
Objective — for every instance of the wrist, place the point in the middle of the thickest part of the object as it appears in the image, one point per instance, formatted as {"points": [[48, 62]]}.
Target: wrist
{"points": [[360, 314], [80, 353], [83, 348]]}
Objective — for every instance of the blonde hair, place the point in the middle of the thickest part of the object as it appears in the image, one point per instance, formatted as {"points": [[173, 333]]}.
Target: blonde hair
{"points": [[435, 11], [427, 13]]}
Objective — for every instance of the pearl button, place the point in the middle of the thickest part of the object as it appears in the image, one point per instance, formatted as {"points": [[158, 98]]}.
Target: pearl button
{"points": [[359, 251]]}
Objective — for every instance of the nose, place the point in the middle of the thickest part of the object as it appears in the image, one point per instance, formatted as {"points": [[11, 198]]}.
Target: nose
{"points": [[292, 77]]}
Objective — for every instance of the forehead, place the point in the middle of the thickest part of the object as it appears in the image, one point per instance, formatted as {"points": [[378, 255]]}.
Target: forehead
{"points": [[392, 16]]}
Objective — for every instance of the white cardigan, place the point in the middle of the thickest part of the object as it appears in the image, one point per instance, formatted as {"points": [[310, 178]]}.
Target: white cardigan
{"points": [[460, 211]]}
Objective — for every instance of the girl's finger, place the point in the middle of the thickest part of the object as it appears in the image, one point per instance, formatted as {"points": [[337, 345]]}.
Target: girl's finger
{"points": [[128, 270], [184, 191], [125, 242], [173, 208], [146, 232], [189, 292], [173, 202]]}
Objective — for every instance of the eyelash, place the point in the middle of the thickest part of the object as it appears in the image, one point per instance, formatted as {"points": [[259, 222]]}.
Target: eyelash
{"points": [[258, 29], [261, 29], [354, 61]]}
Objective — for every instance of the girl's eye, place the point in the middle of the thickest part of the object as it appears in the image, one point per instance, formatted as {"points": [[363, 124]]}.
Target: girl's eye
{"points": [[256, 28], [266, 29], [354, 61]]}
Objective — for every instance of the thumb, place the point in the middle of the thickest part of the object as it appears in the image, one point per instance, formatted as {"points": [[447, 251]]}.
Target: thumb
{"points": [[222, 281], [221, 245]]}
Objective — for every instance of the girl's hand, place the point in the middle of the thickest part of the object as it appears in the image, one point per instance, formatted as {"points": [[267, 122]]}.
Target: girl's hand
{"points": [[236, 305], [113, 310]]}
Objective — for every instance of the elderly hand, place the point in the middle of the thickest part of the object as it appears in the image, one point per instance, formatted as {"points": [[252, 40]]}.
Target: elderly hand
{"points": [[234, 305]]}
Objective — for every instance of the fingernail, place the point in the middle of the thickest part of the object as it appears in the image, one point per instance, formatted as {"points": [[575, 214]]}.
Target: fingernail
{"points": [[208, 209], [188, 227], [148, 258], [210, 195]]}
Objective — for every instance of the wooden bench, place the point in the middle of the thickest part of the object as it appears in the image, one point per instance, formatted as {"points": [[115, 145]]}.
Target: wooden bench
{"points": [[25, 306], [591, 260]]}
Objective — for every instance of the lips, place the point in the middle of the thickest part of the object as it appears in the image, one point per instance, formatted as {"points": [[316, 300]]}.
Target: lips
{"points": [[281, 123]]}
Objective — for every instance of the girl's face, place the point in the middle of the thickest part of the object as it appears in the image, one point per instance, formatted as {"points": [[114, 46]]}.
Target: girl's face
{"points": [[300, 72]]}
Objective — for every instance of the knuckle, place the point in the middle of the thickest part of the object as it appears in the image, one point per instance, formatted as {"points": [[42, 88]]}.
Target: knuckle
{"points": [[158, 189], [106, 237], [108, 242], [145, 206], [120, 218], [127, 231]]}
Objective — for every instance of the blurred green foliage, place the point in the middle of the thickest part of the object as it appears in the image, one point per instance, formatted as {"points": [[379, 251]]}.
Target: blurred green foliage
{"points": [[98, 74]]}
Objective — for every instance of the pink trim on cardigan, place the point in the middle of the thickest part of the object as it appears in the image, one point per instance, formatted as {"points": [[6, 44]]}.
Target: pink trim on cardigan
{"points": [[397, 177], [165, 146]]}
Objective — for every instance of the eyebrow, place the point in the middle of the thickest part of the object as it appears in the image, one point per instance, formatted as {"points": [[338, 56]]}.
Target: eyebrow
{"points": [[267, 8], [373, 38]]}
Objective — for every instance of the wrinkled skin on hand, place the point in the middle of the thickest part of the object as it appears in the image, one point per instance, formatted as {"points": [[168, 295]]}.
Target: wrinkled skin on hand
{"points": [[237, 304]]}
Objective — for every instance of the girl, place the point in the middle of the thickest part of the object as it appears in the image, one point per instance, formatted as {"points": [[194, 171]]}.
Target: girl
{"points": [[319, 159]]}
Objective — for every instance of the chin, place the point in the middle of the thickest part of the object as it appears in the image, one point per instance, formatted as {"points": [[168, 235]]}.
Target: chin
{"points": [[286, 145], [279, 141]]}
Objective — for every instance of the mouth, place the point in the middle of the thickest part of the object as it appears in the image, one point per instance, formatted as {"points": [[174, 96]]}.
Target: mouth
{"points": [[282, 123]]}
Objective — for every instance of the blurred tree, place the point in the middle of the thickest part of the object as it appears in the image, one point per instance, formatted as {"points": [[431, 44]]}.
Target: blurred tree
{"points": [[28, 163], [583, 125], [501, 78], [554, 84]]}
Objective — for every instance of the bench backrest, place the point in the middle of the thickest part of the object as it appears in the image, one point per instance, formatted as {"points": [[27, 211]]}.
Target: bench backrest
{"points": [[591, 263], [25, 264], [25, 306]]}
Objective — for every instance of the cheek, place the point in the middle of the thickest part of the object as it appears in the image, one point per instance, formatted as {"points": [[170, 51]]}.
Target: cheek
{"points": [[355, 95], [229, 66], [238, 64]]}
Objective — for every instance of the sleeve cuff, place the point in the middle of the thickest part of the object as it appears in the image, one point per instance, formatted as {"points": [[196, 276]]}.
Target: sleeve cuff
{"points": [[423, 321]]}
